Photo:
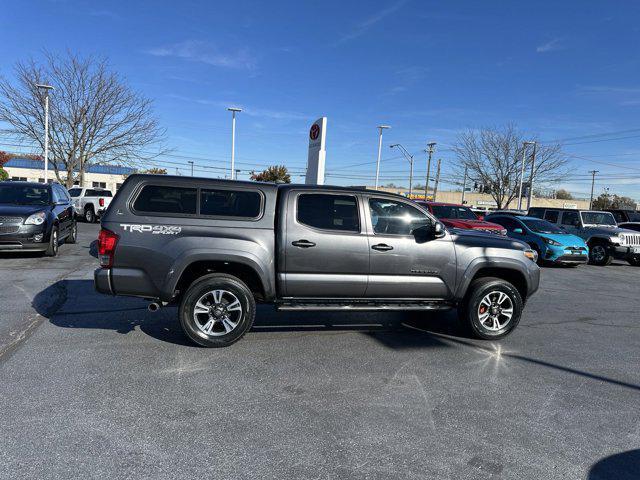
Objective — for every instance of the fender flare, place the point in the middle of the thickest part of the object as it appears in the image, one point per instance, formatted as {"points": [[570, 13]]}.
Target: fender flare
{"points": [[231, 256], [489, 262]]}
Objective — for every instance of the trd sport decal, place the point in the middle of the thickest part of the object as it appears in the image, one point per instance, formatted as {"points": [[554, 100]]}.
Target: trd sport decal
{"points": [[153, 229]]}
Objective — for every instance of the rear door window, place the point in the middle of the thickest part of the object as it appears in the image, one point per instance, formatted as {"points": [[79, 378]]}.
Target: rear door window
{"points": [[570, 218], [329, 212], [551, 216], [536, 212], [166, 199], [230, 203]]}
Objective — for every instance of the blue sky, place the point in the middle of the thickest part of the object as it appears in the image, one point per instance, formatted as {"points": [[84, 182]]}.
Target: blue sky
{"points": [[559, 70]]}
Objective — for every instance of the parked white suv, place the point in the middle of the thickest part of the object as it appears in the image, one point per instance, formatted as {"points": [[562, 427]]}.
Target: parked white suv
{"points": [[90, 203]]}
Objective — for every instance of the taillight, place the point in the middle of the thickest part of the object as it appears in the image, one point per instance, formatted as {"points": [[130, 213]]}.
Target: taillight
{"points": [[101, 202], [107, 241]]}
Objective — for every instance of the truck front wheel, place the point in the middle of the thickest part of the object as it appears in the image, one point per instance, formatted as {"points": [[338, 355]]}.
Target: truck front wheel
{"points": [[491, 309], [217, 310], [599, 255]]}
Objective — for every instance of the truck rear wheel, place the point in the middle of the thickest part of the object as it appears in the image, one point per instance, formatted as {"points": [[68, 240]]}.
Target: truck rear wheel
{"points": [[492, 308], [89, 215], [217, 310]]}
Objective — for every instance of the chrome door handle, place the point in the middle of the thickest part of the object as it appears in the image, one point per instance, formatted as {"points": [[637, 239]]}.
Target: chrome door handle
{"points": [[303, 244], [382, 247]]}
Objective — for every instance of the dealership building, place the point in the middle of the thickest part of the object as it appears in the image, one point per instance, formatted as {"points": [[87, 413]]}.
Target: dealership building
{"points": [[96, 176]]}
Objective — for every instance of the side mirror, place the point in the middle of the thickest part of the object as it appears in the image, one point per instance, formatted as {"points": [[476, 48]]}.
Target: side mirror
{"points": [[519, 231], [428, 232], [576, 223]]}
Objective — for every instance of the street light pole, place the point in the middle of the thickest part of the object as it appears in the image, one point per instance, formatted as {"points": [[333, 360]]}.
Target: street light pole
{"points": [[524, 152], [431, 145], [46, 89], [593, 181], [435, 190], [409, 158], [533, 164], [233, 140], [464, 185], [190, 162], [380, 127]]}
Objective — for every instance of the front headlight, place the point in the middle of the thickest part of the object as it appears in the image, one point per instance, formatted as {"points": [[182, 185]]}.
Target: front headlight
{"points": [[617, 239], [550, 241], [37, 218], [531, 255]]}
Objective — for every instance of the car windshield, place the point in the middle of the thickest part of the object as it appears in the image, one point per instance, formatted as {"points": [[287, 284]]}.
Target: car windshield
{"points": [[598, 218], [75, 192], [24, 195], [542, 226], [453, 211]]}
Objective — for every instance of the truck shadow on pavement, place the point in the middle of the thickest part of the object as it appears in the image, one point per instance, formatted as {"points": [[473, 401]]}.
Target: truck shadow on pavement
{"points": [[73, 303], [621, 466]]}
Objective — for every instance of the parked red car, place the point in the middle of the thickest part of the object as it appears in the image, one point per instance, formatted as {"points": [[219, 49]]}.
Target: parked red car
{"points": [[460, 216]]}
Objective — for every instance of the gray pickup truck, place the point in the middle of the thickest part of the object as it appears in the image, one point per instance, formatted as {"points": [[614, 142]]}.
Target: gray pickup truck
{"points": [[216, 247]]}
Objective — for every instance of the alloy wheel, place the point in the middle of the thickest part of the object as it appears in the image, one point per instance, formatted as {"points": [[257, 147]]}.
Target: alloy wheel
{"points": [[495, 310], [599, 253], [217, 313]]}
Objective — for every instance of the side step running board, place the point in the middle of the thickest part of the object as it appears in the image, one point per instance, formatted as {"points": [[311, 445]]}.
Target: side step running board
{"points": [[363, 306]]}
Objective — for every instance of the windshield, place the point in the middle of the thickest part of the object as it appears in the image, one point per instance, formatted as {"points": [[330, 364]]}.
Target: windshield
{"points": [[75, 192], [24, 195], [634, 216], [598, 218], [453, 211], [542, 226]]}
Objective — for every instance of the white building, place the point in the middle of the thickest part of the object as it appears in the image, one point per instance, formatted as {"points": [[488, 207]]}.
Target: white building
{"points": [[98, 176]]}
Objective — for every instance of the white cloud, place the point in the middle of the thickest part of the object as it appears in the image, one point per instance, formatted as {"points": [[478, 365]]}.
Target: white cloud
{"points": [[250, 111], [205, 52], [550, 46], [362, 27]]}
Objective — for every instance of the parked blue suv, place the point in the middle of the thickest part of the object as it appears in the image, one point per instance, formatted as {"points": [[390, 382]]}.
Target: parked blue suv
{"points": [[553, 244]]}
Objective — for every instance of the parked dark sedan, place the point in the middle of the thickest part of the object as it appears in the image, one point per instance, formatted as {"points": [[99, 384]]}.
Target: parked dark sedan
{"points": [[35, 217]]}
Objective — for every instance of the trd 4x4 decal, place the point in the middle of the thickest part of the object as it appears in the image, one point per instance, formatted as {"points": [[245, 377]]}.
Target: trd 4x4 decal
{"points": [[153, 229]]}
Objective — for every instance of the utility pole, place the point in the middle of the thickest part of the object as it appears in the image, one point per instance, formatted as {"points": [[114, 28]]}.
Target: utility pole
{"points": [[593, 181], [435, 190], [46, 89], [533, 164], [380, 127], [190, 162], [524, 153], [431, 145], [409, 158], [233, 139], [464, 185]]}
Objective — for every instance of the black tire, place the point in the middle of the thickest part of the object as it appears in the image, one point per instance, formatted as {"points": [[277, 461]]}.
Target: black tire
{"points": [[634, 260], [54, 243], [233, 287], [73, 235], [470, 308], [89, 215], [599, 255]]}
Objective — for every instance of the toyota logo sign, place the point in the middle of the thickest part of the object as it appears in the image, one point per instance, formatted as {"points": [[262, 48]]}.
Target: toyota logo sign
{"points": [[314, 132]]}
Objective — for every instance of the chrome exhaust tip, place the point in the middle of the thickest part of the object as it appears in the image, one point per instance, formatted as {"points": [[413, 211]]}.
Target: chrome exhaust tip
{"points": [[154, 306]]}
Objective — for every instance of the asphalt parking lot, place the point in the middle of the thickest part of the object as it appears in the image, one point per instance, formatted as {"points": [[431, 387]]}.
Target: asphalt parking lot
{"points": [[98, 387]]}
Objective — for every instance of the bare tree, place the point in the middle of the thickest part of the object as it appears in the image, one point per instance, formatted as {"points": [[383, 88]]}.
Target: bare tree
{"points": [[493, 158], [95, 117]]}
